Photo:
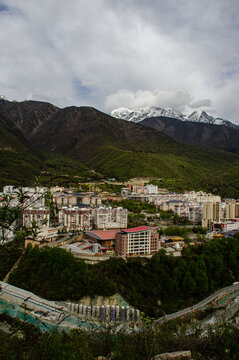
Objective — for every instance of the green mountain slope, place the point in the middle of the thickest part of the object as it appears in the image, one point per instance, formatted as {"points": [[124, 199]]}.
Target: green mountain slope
{"points": [[18, 161], [122, 149], [193, 133], [67, 138]]}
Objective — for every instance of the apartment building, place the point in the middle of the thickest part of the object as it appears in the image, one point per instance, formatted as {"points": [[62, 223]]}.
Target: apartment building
{"points": [[110, 218], [202, 197], [39, 216], [195, 213], [142, 240], [190, 210], [31, 196], [74, 199], [147, 190], [231, 210], [211, 212], [75, 218], [168, 197]]}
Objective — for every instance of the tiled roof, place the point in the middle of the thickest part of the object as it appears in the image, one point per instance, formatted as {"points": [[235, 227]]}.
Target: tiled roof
{"points": [[136, 229], [103, 234]]}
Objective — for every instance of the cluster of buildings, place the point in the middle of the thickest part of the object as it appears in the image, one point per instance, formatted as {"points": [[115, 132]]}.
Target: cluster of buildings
{"points": [[142, 240], [199, 207], [85, 218], [71, 211], [23, 198], [104, 228]]}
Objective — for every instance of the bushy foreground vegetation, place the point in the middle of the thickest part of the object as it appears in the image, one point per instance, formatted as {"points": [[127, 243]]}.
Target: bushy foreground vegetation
{"points": [[9, 254], [155, 286], [27, 342]]}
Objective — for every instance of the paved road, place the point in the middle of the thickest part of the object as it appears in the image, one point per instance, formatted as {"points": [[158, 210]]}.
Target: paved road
{"points": [[219, 293], [21, 296], [69, 238]]}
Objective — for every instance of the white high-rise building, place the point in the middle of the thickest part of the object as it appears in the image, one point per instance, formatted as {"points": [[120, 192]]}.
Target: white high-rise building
{"points": [[110, 218]]}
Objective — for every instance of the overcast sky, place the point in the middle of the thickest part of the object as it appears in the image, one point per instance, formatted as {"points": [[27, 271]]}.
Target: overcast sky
{"points": [[182, 54]]}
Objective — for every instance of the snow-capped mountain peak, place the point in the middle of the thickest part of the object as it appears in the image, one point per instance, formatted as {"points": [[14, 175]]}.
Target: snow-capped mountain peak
{"points": [[201, 116], [2, 97], [139, 114]]}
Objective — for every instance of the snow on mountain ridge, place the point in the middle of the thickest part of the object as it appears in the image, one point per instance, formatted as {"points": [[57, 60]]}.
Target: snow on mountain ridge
{"points": [[139, 114]]}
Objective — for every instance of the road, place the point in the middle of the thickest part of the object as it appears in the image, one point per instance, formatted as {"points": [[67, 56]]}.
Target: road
{"points": [[68, 238], [217, 294], [21, 296]]}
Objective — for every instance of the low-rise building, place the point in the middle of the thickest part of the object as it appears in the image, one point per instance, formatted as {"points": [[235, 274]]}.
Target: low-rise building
{"points": [[105, 238], [43, 237], [225, 226]]}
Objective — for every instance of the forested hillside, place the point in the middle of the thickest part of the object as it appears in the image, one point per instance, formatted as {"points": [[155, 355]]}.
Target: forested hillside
{"points": [[176, 282]]}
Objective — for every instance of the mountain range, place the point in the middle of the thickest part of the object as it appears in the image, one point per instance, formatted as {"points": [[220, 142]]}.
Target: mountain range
{"points": [[75, 143], [139, 114], [208, 136]]}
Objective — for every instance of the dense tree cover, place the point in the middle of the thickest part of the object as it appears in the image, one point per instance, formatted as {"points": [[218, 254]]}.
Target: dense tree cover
{"points": [[176, 231], [111, 188], [178, 220], [136, 220], [9, 253], [177, 282], [165, 215], [199, 230], [26, 342]]}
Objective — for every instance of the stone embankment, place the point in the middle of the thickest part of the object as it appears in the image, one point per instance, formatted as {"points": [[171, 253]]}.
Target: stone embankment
{"points": [[105, 313]]}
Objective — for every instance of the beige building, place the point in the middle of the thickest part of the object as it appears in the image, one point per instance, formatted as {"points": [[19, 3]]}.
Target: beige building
{"points": [[202, 197], [211, 212], [232, 210], [142, 240], [73, 199]]}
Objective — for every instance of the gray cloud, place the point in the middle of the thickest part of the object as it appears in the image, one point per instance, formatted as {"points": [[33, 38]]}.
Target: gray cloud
{"points": [[200, 104], [166, 53], [175, 100]]}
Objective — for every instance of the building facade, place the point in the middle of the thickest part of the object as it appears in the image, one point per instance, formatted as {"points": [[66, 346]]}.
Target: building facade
{"points": [[75, 218], [142, 240], [39, 216], [110, 218], [211, 212]]}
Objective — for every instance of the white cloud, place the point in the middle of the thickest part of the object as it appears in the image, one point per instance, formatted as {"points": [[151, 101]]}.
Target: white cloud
{"points": [[166, 53], [175, 100]]}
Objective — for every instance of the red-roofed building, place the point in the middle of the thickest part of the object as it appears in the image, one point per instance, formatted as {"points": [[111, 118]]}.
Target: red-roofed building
{"points": [[104, 237], [141, 240], [136, 229]]}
